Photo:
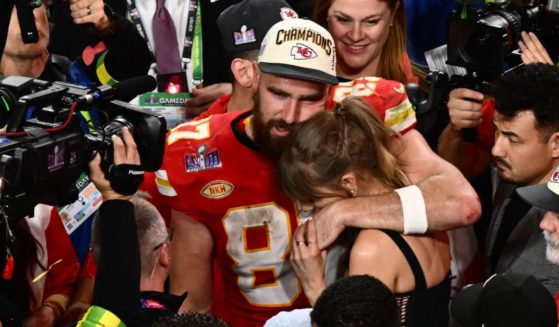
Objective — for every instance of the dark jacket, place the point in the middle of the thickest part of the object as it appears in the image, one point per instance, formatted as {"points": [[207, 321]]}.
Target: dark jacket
{"points": [[128, 54], [117, 283]]}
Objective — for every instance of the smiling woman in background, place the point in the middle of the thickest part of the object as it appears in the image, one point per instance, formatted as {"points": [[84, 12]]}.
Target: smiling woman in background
{"points": [[370, 37]]}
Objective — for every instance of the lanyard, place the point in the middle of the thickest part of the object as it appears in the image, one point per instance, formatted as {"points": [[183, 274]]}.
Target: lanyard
{"points": [[197, 51], [192, 35]]}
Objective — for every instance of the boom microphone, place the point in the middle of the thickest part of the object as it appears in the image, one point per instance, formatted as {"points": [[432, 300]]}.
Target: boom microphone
{"points": [[126, 90]]}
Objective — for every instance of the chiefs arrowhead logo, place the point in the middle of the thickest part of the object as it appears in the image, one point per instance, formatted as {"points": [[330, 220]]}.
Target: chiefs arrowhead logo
{"points": [[555, 175], [217, 189], [301, 52], [286, 12]]}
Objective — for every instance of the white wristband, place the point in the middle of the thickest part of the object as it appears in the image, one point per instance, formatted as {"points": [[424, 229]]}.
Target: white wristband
{"points": [[413, 207]]}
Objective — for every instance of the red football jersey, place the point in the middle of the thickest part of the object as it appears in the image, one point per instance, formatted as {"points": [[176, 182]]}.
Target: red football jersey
{"points": [[218, 107], [214, 176], [388, 99]]}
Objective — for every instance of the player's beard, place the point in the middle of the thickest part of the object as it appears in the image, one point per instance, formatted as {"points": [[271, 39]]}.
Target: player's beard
{"points": [[552, 247], [262, 131]]}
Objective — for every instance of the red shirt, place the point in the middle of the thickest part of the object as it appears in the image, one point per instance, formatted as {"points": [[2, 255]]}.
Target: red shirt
{"points": [[219, 180], [486, 130], [218, 107]]}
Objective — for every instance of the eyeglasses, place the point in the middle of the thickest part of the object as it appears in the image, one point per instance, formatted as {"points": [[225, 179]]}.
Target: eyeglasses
{"points": [[169, 238]]}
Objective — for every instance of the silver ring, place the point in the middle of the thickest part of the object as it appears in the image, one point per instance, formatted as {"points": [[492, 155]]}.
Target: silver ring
{"points": [[299, 243], [88, 11]]}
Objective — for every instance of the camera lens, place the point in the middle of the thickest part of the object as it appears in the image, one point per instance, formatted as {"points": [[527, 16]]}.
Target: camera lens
{"points": [[115, 126]]}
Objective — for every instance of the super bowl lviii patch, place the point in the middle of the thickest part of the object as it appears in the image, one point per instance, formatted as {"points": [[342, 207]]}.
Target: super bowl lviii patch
{"points": [[244, 36], [202, 160]]}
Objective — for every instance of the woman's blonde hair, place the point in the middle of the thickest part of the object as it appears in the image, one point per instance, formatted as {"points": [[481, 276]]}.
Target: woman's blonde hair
{"points": [[324, 148]]}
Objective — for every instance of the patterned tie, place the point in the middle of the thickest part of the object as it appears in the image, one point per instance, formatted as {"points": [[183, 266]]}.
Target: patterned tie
{"points": [[166, 44]]}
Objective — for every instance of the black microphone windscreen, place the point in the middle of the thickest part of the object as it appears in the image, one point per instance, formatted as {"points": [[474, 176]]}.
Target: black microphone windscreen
{"points": [[128, 89]]}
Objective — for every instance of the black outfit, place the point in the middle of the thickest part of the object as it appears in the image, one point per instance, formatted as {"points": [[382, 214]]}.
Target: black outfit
{"points": [[117, 283], [215, 69], [69, 39], [423, 306], [128, 54]]}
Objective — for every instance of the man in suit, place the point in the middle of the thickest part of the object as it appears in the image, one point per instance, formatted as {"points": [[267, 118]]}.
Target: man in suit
{"points": [[526, 152]]}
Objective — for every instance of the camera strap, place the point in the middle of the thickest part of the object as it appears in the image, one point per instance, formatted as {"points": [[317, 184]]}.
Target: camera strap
{"points": [[125, 178]]}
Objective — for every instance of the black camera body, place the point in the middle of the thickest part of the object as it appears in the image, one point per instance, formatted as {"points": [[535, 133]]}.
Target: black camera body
{"points": [[485, 41], [46, 147]]}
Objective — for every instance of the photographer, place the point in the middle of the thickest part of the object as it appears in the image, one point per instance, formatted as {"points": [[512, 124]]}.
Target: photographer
{"points": [[525, 152], [131, 244], [469, 109]]}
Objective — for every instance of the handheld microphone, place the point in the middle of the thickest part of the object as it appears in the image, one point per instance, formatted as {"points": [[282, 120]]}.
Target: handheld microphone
{"points": [[126, 90], [26, 19]]}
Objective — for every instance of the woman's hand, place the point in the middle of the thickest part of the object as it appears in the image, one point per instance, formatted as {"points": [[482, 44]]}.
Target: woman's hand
{"points": [[90, 11], [308, 261]]}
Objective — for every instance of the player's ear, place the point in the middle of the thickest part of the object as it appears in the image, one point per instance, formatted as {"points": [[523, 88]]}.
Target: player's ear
{"points": [[165, 256], [243, 71], [554, 144]]}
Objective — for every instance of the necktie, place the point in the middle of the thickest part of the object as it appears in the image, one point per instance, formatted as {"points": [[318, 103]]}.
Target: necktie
{"points": [[166, 44]]}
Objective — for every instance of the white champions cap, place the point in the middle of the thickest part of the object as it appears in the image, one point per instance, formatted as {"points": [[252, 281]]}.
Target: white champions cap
{"points": [[301, 49]]}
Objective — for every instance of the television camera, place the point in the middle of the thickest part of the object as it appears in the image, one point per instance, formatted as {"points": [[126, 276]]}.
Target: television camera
{"points": [[48, 142], [484, 42]]}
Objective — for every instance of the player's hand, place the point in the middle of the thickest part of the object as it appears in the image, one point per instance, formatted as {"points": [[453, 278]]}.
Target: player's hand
{"points": [[308, 261], [329, 223], [90, 11], [125, 152], [204, 97], [532, 49], [464, 108]]}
